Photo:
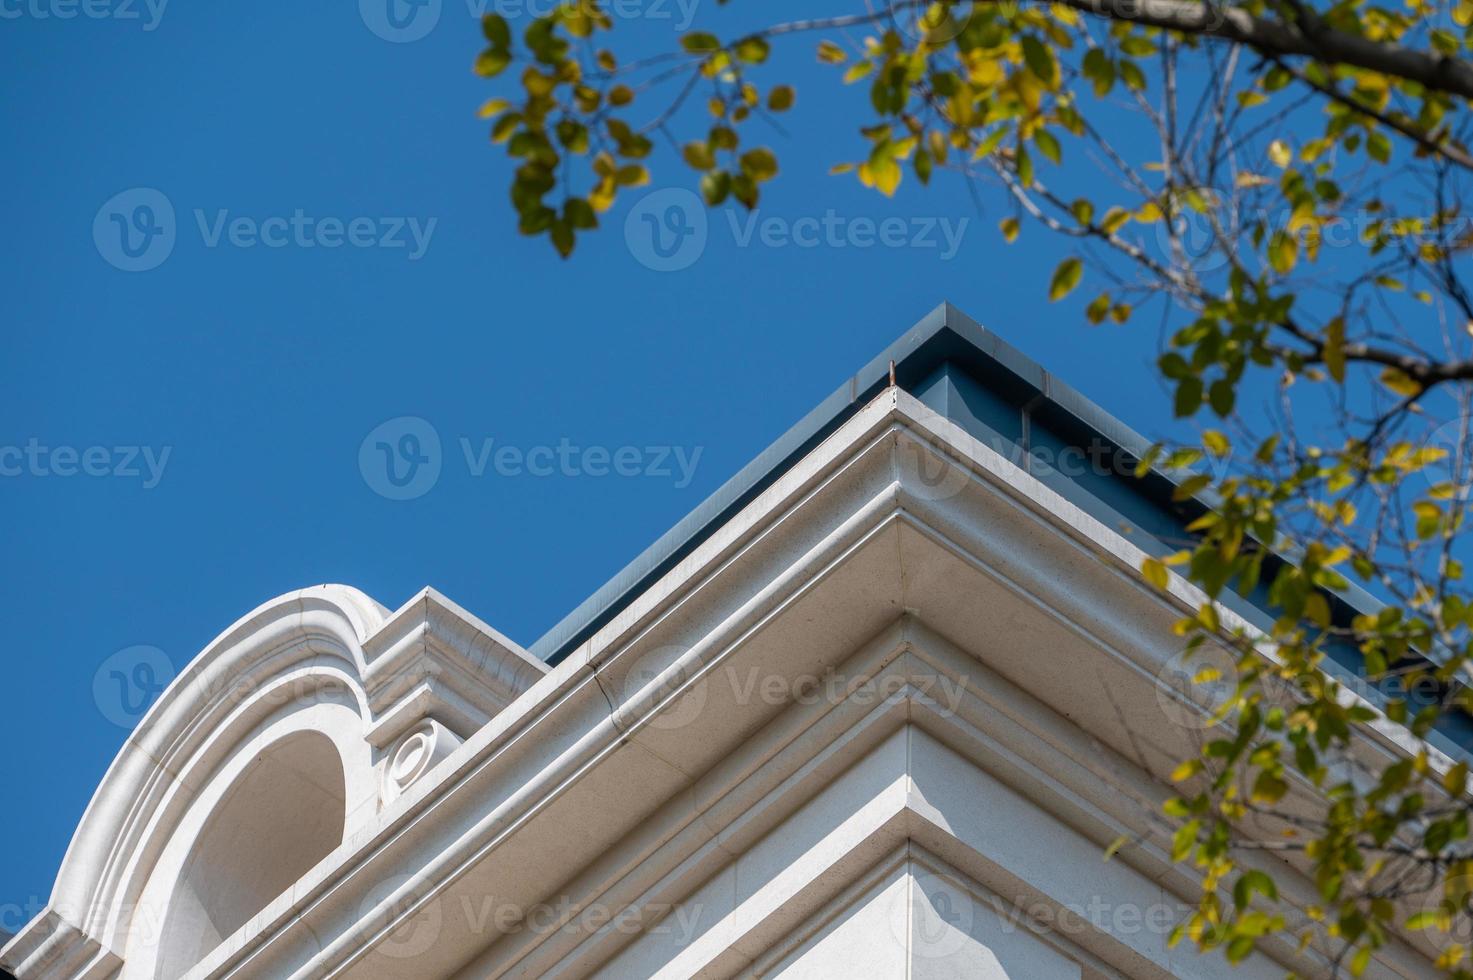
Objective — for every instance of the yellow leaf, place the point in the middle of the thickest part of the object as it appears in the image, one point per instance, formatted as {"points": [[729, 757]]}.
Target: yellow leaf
{"points": [[494, 107], [1280, 154], [1456, 779], [830, 53], [1318, 610], [1154, 572], [1114, 219], [1283, 252], [1398, 381], [1186, 770], [883, 175]]}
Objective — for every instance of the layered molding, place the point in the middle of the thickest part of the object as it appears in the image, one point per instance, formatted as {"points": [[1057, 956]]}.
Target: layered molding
{"points": [[987, 661]]}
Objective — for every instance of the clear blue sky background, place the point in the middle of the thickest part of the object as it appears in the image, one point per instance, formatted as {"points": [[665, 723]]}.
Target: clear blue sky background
{"points": [[262, 370]]}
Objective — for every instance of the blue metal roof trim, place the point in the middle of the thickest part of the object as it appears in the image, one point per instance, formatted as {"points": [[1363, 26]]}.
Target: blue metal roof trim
{"points": [[942, 360], [944, 338]]}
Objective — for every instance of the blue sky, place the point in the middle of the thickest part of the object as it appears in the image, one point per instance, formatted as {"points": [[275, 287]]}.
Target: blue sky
{"points": [[250, 375]]}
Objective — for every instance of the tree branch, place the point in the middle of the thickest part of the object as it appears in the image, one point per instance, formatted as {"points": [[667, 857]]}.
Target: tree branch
{"points": [[1275, 37]]}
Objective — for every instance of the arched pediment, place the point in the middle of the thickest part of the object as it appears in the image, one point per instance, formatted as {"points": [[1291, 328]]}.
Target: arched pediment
{"points": [[301, 705]]}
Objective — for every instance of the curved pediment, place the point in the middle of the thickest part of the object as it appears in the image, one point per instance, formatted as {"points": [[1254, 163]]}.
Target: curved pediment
{"points": [[271, 747]]}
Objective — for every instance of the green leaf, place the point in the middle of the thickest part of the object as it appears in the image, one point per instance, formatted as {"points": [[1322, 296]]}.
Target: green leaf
{"points": [[1040, 60], [497, 32], [923, 165], [1335, 348], [1048, 145], [697, 42], [1065, 278], [698, 154], [1222, 395], [753, 50], [1025, 167], [1185, 839], [1253, 882], [1378, 145], [1098, 308], [562, 237], [715, 186], [1131, 75], [1188, 397], [759, 164], [492, 62], [579, 213], [781, 98]]}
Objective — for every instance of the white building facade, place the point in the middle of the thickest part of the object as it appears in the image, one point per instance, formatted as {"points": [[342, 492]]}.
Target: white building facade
{"points": [[875, 710]]}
